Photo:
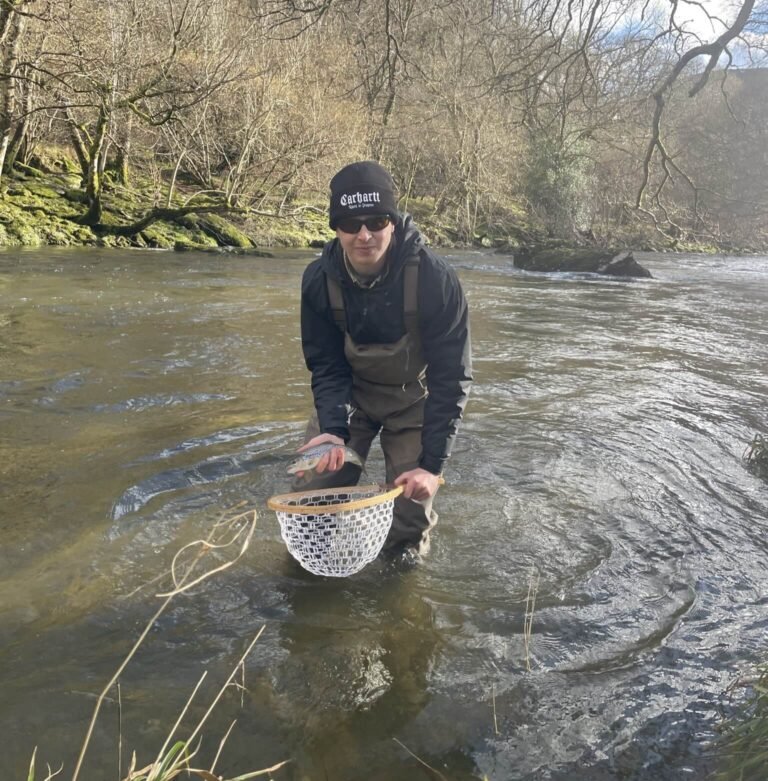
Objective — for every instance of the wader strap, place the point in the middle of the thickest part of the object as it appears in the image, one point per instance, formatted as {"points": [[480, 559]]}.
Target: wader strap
{"points": [[337, 302], [410, 298]]}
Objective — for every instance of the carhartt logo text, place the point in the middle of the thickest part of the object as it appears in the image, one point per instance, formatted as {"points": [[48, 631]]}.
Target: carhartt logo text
{"points": [[353, 200]]}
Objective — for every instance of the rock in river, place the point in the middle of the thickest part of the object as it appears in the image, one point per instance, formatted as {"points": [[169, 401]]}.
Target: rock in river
{"points": [[596, 261]]}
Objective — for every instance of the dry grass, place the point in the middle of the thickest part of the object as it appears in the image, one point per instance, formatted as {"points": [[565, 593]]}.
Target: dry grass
{"points": [[530, 604], [436, 773], [50, 774], [230, 533], [756, 453], [743, 748]]}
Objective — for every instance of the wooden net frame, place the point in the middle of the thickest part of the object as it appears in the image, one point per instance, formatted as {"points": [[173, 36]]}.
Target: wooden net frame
{"points": [[335, 531]]}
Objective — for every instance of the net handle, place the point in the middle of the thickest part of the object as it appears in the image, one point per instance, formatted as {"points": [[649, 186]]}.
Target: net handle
{"points": [[281, 503]]}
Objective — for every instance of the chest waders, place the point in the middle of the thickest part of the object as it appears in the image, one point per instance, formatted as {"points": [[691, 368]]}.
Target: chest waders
{"points": [[388, 396]]}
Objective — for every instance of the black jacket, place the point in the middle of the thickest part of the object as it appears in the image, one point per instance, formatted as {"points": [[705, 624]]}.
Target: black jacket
{"points": [[444, 326]]}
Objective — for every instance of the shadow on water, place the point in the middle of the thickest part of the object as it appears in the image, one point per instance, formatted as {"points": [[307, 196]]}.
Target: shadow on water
{"points": [[601, 455], [353, 685]]}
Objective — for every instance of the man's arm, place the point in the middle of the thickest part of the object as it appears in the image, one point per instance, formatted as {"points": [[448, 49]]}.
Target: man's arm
{"points": [[444, 322], [323, 345]]}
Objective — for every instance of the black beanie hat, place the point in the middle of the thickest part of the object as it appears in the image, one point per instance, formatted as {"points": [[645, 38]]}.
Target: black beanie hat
{"points": [[362, 188]]}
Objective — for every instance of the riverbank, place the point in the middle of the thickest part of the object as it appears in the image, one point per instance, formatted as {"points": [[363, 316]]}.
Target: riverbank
{"points": [[47, 208]]}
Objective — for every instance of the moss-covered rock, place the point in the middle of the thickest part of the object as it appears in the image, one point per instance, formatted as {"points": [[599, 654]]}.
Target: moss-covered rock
{"points": [[155, 238], [54, 159], [23, 234], [110, 240], [308, 229], [45, 192], [223, 232], [186, 245], [192, 234], [76, 195], [18, 192], [58, 238], [30, 171]]}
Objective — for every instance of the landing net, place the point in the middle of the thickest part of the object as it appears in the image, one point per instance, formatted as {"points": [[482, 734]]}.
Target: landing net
{"points": [[335, 531]]}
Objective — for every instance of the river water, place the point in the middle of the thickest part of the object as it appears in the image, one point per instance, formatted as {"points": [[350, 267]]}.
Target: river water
{"points": [[144, 395]]}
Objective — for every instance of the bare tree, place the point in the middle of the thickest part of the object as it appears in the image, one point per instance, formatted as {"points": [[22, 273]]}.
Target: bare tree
{"points": [[571, 108], [13, 18], [151, 60], [657, 152]]}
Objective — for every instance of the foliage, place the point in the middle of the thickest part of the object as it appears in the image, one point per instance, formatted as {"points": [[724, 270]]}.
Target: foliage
{"points": [[476, 106], [45, 210], [558, 184], [743, 748]]}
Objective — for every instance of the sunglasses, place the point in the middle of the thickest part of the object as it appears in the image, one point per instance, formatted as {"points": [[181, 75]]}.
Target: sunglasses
{"points": [[353, 224]]}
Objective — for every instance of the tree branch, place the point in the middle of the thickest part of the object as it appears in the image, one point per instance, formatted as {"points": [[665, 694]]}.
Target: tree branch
{"points": [[713, 51]]}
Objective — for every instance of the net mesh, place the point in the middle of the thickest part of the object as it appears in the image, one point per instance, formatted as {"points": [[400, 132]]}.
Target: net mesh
{"points": [[329, 533]]}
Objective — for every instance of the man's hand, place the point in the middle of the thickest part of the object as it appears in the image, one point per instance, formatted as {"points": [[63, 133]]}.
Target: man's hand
{"points": [[332, 460], [418, 484]]}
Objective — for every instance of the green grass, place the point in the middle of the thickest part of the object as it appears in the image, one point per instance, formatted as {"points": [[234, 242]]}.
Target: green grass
{"points": [[743, 747]]}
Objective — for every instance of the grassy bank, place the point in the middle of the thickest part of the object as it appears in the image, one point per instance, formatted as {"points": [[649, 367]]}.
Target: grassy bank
{"points": [[45, 206], [39, 209]]}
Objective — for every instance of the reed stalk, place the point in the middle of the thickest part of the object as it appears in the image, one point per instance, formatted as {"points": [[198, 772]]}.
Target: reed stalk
{"points": [[530, 604], [51, 773], [432, 770], [174, 758]]}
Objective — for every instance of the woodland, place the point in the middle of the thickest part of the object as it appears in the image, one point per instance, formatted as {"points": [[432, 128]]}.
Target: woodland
{"points": [[588, 121]]}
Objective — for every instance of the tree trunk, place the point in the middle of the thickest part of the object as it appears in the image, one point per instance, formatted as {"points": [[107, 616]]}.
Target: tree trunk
{"points": [[19, 140], [15, 146], [122, 170], [78, 145], [11, 29], [93, 185]]}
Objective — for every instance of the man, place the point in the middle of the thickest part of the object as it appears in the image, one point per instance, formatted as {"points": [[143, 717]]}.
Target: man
{"points": [[385, 333]]}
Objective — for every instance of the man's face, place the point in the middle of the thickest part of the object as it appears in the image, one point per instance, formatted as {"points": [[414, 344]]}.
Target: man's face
{"points": [[366, 249]]}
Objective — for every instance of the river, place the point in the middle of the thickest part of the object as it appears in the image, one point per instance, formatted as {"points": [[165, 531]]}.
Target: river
{"points": [[597, 579]]}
